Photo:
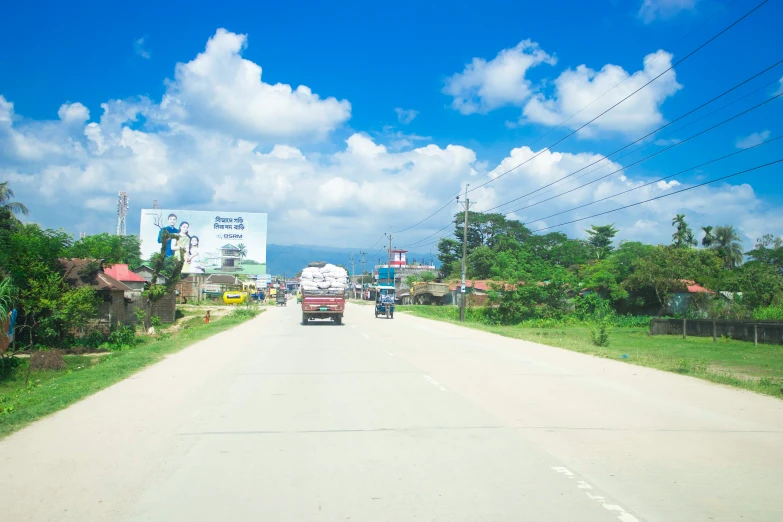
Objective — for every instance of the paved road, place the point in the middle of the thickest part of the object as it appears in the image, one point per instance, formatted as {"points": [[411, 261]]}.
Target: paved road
{"points": [[400, 420]]}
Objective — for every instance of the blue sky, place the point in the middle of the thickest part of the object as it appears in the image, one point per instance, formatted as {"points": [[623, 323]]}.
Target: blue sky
{"points": [[481, 80]]}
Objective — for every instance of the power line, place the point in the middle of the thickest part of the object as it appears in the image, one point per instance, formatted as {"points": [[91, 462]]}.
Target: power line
{"points": [[648, 157], [675, 131], [645, 63], [656, 181], [672, 66], [713, 38], [425, 219], [664, 195], [724, 93]]}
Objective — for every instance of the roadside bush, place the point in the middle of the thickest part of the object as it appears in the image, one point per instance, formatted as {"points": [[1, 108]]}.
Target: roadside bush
{"points": [[769, 313], [122, 337], [93, 339], [244, 313], [155, 321], [600, 335], [7, 366]]}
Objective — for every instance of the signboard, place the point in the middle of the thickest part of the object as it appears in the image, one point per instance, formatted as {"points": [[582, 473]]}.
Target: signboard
{"points": [[209, 242]]}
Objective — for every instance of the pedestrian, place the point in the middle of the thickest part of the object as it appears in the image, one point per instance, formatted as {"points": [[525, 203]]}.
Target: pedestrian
{"points": [[206, 317]]}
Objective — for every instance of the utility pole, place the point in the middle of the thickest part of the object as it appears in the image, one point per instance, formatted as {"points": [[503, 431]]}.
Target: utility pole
{"points": [[362, 253], [464, 256], [353, 274], [388, 264]]}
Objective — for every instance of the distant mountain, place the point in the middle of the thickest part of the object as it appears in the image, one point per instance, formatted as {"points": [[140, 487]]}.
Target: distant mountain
{"points": [[293, 258]]}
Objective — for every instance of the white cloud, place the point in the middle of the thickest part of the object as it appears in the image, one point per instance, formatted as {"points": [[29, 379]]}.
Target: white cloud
{"points": [[652, 10], [667, 143], [582, 94], [74, 113], [220, 89], [69, 169], [649, 222], [405, 116], [780, 87], [486, 85], [138, 48], [752, 140]]}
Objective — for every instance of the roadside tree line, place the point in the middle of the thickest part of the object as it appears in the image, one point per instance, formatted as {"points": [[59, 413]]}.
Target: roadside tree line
{"points": [[552, 276]]}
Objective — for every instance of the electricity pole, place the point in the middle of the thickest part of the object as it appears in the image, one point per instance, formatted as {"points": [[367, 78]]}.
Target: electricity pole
{"points": [[388, 265], [362, 253], [353, 274], [464, 256]]}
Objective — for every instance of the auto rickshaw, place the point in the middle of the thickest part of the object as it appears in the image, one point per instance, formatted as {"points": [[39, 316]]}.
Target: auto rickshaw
{"points": [[280, 299], [384, 301]]}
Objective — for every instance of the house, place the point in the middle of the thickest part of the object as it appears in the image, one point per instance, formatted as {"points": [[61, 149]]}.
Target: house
{"points": [[114, 308], [123, 274], [145, 271], [679, 301], [229, 258]]}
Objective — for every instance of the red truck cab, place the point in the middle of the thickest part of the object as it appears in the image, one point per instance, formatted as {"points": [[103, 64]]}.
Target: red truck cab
{"points": [[323, 304]]}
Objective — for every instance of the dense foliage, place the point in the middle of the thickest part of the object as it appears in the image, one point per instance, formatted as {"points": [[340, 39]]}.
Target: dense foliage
{"points": [[551, 277]]}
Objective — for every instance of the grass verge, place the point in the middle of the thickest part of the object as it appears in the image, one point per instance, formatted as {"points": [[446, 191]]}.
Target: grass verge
{"points": [[50, 391], [734, 363]]}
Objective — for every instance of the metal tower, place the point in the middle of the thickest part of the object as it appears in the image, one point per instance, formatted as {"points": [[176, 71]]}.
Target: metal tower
{"points": [[155, 203], [122, 213]]}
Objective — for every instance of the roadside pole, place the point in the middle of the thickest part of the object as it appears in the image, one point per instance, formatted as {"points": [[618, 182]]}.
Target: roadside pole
{"points": [[362, 287], [388, 263], [353, 274], [464, 256]]}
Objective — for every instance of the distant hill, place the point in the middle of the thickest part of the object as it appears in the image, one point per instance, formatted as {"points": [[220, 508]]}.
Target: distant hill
{"points": [[292, 258]]}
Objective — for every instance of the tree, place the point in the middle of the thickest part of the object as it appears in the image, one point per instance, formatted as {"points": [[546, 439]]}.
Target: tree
{"points": [[727, 243], [707, 240], [761, 284], [9, 209], [110, 248], [768, 251], [683, 236], [169, 267], [601, 239], [664, 270]]}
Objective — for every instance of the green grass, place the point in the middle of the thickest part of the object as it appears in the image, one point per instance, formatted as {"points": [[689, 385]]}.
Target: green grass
{"points": [[735, 363], [50, 391]]}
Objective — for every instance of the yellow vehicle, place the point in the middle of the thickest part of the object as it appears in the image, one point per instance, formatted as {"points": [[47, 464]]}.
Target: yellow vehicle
{"points": [[273, 292], [299, 296], [234, 297]]}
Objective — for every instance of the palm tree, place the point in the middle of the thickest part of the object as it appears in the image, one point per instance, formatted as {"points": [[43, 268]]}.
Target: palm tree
{"points": [[683, 237], [726, 241], [242, 251], [7, 207], [708, 238]]}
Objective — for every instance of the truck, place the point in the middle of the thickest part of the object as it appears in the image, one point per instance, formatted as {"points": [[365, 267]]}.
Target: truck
{"points": [[323, 304], [428, 292], [323, 292]]}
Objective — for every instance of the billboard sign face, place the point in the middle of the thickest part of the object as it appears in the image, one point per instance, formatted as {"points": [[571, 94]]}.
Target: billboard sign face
{"points": [[210, 242]]}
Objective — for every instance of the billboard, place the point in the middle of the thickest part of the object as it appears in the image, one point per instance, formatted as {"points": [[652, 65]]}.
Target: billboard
{"points": [[210, 242]]}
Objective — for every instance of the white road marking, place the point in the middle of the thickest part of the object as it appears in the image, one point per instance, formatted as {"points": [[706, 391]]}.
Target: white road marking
{"points": [[388, 352], [365, 335], [621, 513], [436, 383], [353, 326]]}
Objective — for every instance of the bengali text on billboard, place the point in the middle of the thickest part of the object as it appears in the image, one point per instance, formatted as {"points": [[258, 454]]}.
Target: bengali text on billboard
{"points": [[208, 242]]}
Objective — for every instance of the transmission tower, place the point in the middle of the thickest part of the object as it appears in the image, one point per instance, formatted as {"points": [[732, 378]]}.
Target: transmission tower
{"points": [[122, 213], [155, 204]]}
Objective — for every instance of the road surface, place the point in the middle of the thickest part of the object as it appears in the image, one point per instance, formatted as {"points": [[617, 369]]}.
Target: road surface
{"points": [[397, 420]]}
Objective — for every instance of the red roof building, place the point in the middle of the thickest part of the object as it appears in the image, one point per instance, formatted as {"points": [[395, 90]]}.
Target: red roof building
{"points": [[694, 288], [121, 273]]}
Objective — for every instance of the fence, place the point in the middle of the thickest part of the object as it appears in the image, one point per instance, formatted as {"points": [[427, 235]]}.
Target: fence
{"points": [[756, 331]]}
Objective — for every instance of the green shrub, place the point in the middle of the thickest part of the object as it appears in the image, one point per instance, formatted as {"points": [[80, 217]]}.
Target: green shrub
{"points": [[244, 313], [121, 338], [155, 321], [600, 335]]}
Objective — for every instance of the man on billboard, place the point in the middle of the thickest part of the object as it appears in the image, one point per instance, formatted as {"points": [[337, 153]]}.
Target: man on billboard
{"points": [[171, 229]]}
